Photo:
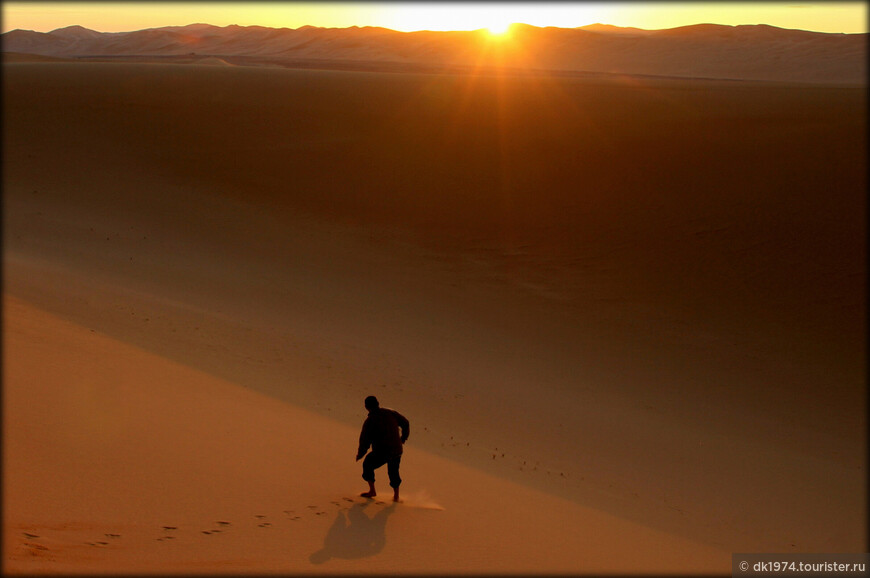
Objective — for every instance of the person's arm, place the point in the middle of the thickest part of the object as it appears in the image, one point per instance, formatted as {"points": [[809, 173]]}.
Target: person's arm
{"points": [[405, 426], [365, 441]]}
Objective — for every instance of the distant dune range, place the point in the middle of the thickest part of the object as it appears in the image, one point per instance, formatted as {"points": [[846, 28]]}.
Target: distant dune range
{"points": [[751, 52], [626, 314]]}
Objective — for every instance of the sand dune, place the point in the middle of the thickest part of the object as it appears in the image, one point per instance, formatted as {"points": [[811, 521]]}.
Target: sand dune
{"points": [[625, 317], [755, 52], [19, 57], [213, 61], [155, 467]]}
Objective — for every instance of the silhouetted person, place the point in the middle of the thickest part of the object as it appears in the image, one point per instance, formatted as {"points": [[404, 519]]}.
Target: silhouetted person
{"points": [[381, 432]]}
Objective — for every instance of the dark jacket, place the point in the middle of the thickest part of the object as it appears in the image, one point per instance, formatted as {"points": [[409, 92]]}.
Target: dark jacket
{"points": [[381, 432]]}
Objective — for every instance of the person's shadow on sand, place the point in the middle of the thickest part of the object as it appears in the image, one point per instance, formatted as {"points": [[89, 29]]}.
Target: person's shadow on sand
{"points": [[354, 534]]}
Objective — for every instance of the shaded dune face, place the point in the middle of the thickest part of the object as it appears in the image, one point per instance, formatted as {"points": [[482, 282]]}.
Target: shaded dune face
{"points": [[689, 246], [717, 184], [728, 204]]}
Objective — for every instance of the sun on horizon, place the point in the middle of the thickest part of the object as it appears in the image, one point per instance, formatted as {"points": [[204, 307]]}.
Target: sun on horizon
{"points": [[499, 29]]}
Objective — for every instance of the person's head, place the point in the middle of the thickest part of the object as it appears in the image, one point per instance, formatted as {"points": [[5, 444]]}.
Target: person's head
{"points": [[372, 403]]}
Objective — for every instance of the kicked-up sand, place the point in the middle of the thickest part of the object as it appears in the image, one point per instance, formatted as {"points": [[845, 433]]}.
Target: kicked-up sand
{"points": [[625, 317]]}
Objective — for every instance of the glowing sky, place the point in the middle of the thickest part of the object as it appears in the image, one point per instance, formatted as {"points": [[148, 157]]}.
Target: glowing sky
{"points": [[408, 16]]}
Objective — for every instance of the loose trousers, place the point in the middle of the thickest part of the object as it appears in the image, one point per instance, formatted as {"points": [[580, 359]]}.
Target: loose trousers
{"points": [[375, 460]]}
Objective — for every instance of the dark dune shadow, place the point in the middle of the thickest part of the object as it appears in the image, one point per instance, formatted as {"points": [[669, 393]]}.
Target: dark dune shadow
{"points": [[354, 534]]}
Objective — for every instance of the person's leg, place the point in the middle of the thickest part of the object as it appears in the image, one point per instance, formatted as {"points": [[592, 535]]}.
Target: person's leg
{"points": [[371, 462], [395, 479]]}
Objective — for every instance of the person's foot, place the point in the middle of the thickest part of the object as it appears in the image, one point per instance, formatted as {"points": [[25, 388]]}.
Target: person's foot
{"points": [[396, 497], [368, 494]]}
